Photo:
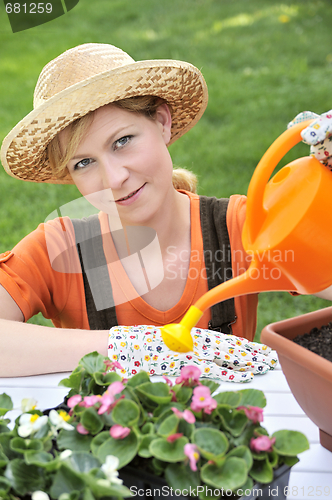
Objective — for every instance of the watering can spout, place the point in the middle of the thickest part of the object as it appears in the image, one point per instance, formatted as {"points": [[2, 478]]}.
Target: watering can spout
{"points": [[287, 233], [256, 279]]}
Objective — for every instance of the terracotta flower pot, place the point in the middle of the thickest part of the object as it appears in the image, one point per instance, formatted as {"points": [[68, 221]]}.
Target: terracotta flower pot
{"points": [[309, 376]]}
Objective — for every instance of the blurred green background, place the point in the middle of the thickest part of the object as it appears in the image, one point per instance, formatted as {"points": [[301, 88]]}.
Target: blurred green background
{"points": [[264, 61]]}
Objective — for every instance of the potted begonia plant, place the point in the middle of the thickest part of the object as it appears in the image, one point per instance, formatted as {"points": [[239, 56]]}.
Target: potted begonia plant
{"points": [[308, 374], [115, 437]]}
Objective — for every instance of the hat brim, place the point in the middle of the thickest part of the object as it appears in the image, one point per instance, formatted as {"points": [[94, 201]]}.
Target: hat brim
{"points": [[23, 151]]}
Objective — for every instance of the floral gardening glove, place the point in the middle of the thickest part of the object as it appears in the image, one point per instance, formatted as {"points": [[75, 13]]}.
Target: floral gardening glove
{"points": [[318, 135], [218, 355]]}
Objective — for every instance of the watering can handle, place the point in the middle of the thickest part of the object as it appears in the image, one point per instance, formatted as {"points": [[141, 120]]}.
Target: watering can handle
{"points": [[256, 212]]}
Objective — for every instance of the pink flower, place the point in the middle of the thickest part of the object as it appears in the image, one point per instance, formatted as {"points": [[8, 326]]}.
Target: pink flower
{"points": [[119, 432], [186, 415], [173, 396], [74, 400], [108, 399], [190, 450], [111, 366], [174, 437], [202, 400], [254, 413], [89, 401], [168, 381], [81, 429], [189, 375], [262, 443]]}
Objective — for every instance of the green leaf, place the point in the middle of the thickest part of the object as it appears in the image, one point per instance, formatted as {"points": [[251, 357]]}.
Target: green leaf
{"points": [[252, 397], [101, 488], [148, 428], [230, 476], [3, 425], [72, 440], [6, 404], [211, 443], [290, 443], [160, 412], [169, 452], [213, 386], [24, 478], [93, 362], [232, 420], [247, 486], [228, 398], [143, 450], [273, 458], [3, 458], [74, 380], [169, 426], [83, 462], [183, 393], [242, 452], [186, 429], [39, 458], [4, 486], [87, 495], [158, 466], [126, 413], [98, 440], [106, 379], [66, 480], [262, 471], [92, 421], [288, 460], [5, 440], [77, 495], [181, 477], [125, 449], [21, 445], [158, 392], [138, 379]]}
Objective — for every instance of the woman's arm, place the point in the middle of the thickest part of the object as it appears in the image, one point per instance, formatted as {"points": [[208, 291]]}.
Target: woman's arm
{"points": [[27, 349], [325, 294]]}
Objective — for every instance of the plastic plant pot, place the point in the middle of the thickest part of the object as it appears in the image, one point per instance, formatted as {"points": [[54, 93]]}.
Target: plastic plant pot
{"points": [[309, 376]]}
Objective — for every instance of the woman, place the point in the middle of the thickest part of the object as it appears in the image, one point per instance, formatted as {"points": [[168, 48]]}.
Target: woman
{"points": [[103, 122]]}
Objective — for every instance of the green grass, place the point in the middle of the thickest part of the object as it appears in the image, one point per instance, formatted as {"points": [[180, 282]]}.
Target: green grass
{"points": [[264, 61]]}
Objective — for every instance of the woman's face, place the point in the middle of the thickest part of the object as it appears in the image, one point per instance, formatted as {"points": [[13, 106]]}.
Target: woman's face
{"points": [[122, 166]]}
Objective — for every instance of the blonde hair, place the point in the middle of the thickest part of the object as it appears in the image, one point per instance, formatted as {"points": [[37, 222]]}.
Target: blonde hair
{"points": [[146, 105]]}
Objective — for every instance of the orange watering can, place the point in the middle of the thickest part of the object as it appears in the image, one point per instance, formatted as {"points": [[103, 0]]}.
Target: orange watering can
{"points": [[287, 232]]}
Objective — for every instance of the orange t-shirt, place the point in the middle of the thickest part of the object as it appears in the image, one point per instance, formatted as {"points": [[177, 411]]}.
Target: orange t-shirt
{"points": [[43, 274]]}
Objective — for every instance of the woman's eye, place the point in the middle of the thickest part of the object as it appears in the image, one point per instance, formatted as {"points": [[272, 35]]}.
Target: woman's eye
{"points": [[121, 142], [83, 163]]}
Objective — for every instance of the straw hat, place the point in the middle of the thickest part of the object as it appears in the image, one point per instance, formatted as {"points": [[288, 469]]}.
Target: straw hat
{"points": [[81, 80]]}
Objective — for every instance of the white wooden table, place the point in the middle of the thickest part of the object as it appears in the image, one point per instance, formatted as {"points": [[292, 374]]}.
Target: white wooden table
{"points": [[310, 479]]}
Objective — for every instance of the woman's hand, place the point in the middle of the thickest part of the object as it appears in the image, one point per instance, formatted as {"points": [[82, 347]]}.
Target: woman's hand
{"points": [[218, 355], [318, 135]]}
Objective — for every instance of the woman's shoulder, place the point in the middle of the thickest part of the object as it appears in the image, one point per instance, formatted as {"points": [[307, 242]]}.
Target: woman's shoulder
{"points": [[53, 239]]}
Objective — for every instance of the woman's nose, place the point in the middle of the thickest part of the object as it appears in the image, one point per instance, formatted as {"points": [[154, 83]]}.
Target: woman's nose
{"points": [[114, 174]]}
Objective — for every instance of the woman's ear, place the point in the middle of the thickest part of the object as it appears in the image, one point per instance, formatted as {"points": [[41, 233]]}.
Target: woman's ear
{"points": [[164, 120]]}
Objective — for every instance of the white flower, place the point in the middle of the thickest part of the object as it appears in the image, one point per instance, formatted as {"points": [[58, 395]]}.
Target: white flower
{"points": [[109, 468], [40, 495], [28, 404], [30, 423], [65, 454], [60, 420]]}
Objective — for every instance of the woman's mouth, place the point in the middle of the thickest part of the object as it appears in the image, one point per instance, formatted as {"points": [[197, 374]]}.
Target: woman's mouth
{"points": [[126, 200]]}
